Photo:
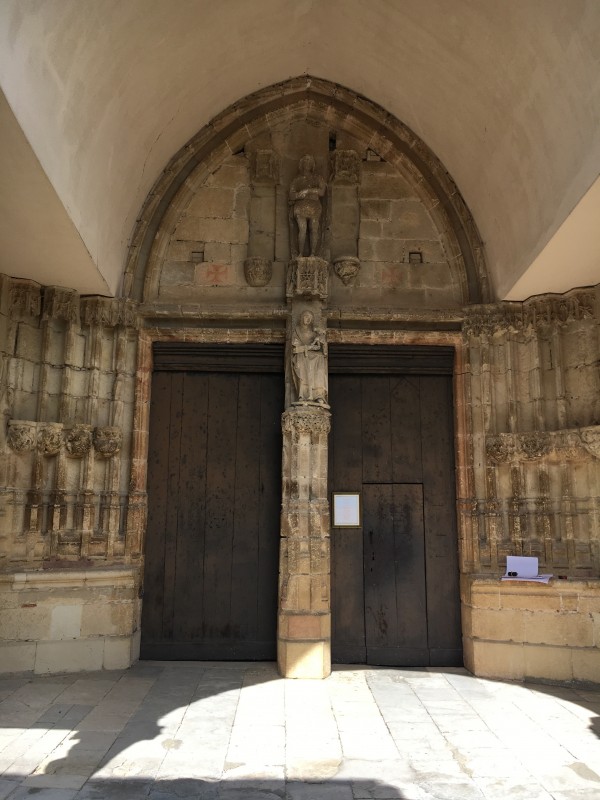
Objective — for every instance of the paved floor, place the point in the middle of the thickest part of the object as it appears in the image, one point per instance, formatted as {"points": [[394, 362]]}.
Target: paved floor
{"points": [[238, 731]]}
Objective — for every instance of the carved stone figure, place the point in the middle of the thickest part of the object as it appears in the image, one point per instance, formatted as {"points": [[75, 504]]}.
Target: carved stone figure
{"points": [[309, 354], [347, 268], [107, 441], [306, 191], [79, 440], [21, 436], [50, 438]]}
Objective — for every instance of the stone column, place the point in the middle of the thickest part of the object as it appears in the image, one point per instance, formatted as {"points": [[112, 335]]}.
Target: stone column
{"points": [[304, 624]]}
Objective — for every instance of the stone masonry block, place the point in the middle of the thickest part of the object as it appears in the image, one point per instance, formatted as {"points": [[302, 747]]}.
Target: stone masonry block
{"points": [[17, 657], [212, 202], [550, 663], [65, 622], [498, 660], [500, 626], [117, 652], [84, 655], [586, 665], [217, 252], [231, 174], [177, 273]]}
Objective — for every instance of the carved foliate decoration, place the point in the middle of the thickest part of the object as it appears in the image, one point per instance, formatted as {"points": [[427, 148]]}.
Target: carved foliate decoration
{"points": [[107, 441], [531, 314], [534, 445], [108, 312], [25, 298], [313, 421], [78, 440], [258, 271], [265, 166], [308, 277], [347, 268], [591, 440], [22, 435], [50, 438], [345, 165], [60, 304]]}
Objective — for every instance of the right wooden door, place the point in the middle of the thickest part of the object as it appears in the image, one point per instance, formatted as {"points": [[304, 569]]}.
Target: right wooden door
{"points": [[395, 580]]}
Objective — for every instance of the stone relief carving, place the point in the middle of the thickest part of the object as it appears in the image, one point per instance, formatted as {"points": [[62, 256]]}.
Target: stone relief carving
{"points": [[25, 297], [78, 440], [531, 314], [345, 166], [60, 304], [309, 361], [107, 441], [50, 438], [347, 268], [563, 445], [308, 277], [306, 191], [22, 435], [108, 312], [258, 271], [265, 166]]}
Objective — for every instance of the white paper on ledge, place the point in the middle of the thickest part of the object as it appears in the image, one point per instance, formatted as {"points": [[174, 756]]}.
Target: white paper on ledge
{"points": [[526, 568]]}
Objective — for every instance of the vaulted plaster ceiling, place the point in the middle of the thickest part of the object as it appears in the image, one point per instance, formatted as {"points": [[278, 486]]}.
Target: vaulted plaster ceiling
{"points": [[99, 96]]}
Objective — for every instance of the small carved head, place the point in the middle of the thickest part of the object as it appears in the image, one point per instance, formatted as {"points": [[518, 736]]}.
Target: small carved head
{"points": [[306, 165], [307, 318]]}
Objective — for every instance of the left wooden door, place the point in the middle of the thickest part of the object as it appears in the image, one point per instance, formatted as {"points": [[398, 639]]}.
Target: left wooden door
{"points": [[214, 498]]}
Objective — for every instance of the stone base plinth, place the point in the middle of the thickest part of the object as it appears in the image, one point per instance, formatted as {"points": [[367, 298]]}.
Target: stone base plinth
{"points": [[301, 659], [528, 630], [69, 620]]}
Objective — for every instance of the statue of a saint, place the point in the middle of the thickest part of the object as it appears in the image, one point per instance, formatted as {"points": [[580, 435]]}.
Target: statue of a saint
{"points": [[305, 195], [309, 352]]}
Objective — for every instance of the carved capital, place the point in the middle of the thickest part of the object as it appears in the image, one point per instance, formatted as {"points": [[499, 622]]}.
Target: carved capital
{"points": [[345, 166], [78, 440], [25, 298], [590, 438], [258, 271], [50, 438], [535, 445], [21, 435], [308, 277], [306, 420], [107, 441], [61, 304]]}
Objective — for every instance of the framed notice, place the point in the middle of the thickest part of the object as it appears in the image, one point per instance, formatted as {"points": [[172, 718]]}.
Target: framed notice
{"points": [[346, 510]]}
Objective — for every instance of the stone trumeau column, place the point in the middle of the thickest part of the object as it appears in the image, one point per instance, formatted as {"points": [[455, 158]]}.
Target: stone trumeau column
{"points": [[304, 624]]}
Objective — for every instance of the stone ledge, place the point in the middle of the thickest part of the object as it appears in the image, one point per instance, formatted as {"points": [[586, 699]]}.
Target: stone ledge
{"points": [[111, 577]]}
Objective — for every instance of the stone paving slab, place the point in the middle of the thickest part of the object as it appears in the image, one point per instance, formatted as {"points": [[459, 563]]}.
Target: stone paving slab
{"points": [[223, 731]]}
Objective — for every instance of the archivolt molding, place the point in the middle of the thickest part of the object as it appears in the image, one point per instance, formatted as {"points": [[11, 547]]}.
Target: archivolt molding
{"points": [[233, 128]]}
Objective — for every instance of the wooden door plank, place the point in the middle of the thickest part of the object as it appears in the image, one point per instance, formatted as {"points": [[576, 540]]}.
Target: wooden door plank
{"points": [[158, 454], [188, 608], [269, 511], [244, 585], [405, 409], [345, 475], [443, 594], [222, 432], [170, 533], [381, 624], [376, 429]]}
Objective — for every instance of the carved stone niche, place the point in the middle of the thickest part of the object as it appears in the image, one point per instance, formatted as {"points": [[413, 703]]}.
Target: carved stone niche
{"points": [[50, 438], [22, 435], [308, 277], [347, 268], [108, 441], [258, 271], [78, 440]]}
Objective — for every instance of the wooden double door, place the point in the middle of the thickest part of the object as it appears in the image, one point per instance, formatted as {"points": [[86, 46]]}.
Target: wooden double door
{"points": [[214, 501], [395, 591]]}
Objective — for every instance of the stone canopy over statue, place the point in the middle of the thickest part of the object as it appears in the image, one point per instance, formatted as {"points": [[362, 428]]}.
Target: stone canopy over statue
{"points": [[306, 210]]}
